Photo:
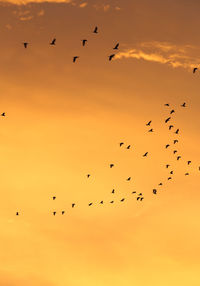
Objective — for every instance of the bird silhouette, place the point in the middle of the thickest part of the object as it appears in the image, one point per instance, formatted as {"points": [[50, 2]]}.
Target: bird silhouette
{"points": [[170, 178], [122, 200], [121, 143], [138, 198], [113, 191], [75, 58], [179, 157], [168, 119], [175, 151], [3, 114], [53, 42], [175, 141], [167, 146], [95, 30], [88, 175], [149, 123], [63, 212], [101, 202], [89, 204], [133, 192], [186, 174], [116, 47], [129, 178], [25, 45], [111, 165], [167, 166], [140, 194], [141, 198], [17, 213], [177, 131], [150, 130], [160, 184], [189, 162], [128, 147], [111, 202], [172, 172], [154, 191], [73, 205], [145, 154], [184, 104], [111, 57], [166, 104], [54, 213], [172, 111], [84, 42], [53, 198], [194, 70], [170, 127]]}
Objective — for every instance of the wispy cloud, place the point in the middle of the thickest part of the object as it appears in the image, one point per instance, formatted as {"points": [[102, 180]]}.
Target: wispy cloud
{"points": [[25, 2], [185, 56]]}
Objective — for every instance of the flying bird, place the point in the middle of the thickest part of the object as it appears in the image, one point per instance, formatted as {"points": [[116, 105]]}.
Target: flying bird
{"points": [[75, 58], [186, 174], [53, 42], [170, 127], [84, 42], [154, 191], [121, 143], [184, 104], [89, 204], [54, 213], [167, 166], [175, 141], [166, 104], [63, 212], [73, 205], [122, 200], [101, 202], [167, 146], [111, 57], [113, 191], [177, 131], [179, 157], [189, 162], [160, 184], [133, 192], [53, 198], [149, 123], [3, 114], [25, 45], [116, 47], [128, 147], [170, 178], [168, 119], [194, 70], [129, 178], [111, 165], [175, 151], [95, 30], [150, 130], [111, 202], [145, 155], [17, 213], [88, 175], [172, 172], [172, 111]]}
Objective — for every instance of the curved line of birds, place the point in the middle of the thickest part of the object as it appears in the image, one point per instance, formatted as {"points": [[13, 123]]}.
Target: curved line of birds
{"points": [[139, 196], [84, 41]]}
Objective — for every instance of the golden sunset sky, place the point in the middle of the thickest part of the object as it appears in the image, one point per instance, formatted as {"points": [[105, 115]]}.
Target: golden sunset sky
{"points": [[65, 120]]}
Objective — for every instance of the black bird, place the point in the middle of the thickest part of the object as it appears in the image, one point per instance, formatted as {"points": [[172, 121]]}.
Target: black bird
{"points": [[25, 45], [84, 42], [101, 202], [134, 192], [145, 155], [138, 198], [54, 213], [184, 104], [168, 119], [141, 198], [122, 200], [167, 146], [17, 213], [149, 123], [189, 162], [175, 151], [186, 174], [172, 111], [75, 58], [53, 198], [166, 104], [121, 143], [129, 178], [95, 30], [89, 204], [140, 194], [167, 166], [73, 205], [88, 175], [111, 165], [128, 147], [53, 42], [111, 202], [169, 178], [170, 127], [63, 212], [172, 172], [3, 114], [154, 191], [151, 130], [179, 157], [113, 191], [160, 184], [175, 141], [111, 57], [116, 47], [194, 70], [177, 131]]}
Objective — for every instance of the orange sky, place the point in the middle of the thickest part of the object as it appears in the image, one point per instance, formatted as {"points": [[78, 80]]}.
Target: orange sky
{"points": [[66, 120]]}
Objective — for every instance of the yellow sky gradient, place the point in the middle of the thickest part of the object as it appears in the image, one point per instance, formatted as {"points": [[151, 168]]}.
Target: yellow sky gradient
{"points": [[66, 120]]}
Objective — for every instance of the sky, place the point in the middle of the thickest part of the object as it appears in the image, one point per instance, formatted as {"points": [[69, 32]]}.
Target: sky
{"points": [[65, 120]]}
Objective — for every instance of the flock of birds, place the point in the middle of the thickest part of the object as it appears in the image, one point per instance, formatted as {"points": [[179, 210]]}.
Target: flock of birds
{"points": [[84, 41], [139, 196]]}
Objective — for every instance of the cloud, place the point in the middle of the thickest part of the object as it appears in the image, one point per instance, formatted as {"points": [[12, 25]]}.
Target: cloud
{"points": [[185, 56], [25, 2], [83, 5]]}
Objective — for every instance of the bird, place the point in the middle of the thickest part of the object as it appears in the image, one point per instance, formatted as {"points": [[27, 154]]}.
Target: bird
{"points": [[54, 213], [128, 147], [63, 212], [177, 131], [175, 151], [186, 174], [101, 202], [121, 143], [140, 194], [154, 191], [111, 202], [166, 104], [17, 213], [111, 57], [53, 198], [111, 165], [167, 166], [75, 58], [122, 200], [88, 175], [167, 146], [168, 119], [53, 42], [138, 198], [170, 127], [151, 130], [95, 30], [189, 162], [172, 172], [73, 205], [84, 42], [116, 46], [141, 198], [169, 178], [149, 123], [128, 179], [133, 192], [172, 111], [3, 114], [25, 45], [194, 70], [179, 157], [89, 204], [160, 184], [175, 141], [113, 191], [184, 104], [145, 154]]}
